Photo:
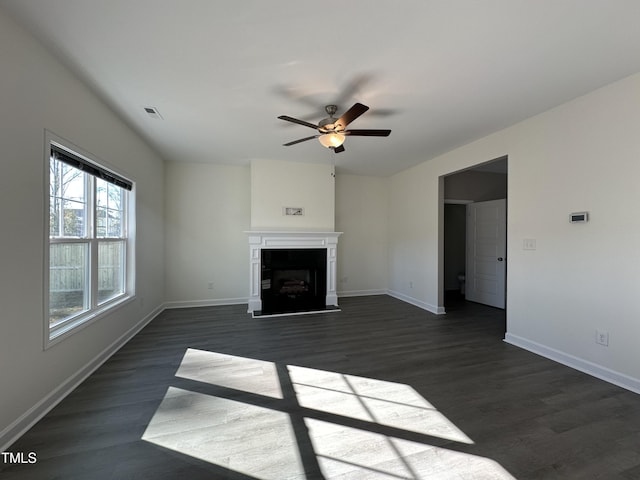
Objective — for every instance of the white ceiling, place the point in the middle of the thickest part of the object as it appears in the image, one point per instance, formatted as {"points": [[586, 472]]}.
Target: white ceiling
{"points": [[439, 74]]}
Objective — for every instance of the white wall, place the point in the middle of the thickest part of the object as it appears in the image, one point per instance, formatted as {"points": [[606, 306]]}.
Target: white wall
{"points": [[413, 237], [582, 155], [362, 215], [37, 93], [207, 213], [276, 184]]}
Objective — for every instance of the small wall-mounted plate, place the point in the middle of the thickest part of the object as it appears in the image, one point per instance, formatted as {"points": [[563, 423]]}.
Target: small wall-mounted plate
{"points": [[295, 211], [579, 217]]}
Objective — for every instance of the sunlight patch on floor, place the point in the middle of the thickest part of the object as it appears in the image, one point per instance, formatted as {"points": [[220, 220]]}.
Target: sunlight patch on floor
{"points": [[260, 442], [385, 403], [256, 441], [347, 453], [231, 371]]}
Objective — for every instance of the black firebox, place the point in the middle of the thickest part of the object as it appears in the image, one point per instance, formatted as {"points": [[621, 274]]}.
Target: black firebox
{"points": [[293, 280]]}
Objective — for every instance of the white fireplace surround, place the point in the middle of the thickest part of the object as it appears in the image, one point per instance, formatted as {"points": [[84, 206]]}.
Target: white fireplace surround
{"points": [[288, 240]]}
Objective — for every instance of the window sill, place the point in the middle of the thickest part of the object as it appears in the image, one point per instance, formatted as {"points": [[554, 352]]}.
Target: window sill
{"points": [[56, 335]]}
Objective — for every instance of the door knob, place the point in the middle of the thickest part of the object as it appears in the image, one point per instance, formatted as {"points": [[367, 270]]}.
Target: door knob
{"points": [[500, 259]]}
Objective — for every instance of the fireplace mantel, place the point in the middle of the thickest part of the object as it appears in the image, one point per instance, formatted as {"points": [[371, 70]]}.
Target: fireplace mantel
{"points": [[263, 239]]}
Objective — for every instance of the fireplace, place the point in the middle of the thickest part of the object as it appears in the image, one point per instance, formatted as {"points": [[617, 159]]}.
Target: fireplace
{"points": [[293, 280], [292, 272]]}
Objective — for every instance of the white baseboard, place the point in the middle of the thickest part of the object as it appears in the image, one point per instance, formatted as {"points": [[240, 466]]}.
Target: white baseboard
{"points": [[593, 369], [418, 303], [27, 420], [360, 293], [206, 303]]}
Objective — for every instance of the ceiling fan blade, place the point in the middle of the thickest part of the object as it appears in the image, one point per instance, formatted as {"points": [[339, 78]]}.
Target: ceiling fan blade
{"points": [[368, 133], [338, 149], [300, 140], [351, 114], [299, 122]]}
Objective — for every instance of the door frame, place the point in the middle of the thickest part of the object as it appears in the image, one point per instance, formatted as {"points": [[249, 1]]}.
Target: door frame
{"points": [[441, 202]]}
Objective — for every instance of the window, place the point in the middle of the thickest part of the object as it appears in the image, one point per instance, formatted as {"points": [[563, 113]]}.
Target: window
{"points": [[89, 246]]}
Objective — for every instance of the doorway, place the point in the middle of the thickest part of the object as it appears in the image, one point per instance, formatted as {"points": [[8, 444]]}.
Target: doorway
{"points": [[485, 182]]}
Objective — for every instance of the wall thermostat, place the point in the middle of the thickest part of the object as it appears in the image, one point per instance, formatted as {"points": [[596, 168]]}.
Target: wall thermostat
{"points": [[579, 217]]}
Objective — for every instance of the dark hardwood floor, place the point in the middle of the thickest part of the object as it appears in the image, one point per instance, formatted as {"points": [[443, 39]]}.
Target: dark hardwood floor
{"points": [[380, 390]]}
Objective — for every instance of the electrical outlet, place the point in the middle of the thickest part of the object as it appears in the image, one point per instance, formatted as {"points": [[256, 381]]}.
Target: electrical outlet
{"points": [[529, 244], [602, 338], [410, 284], [210, 285]]}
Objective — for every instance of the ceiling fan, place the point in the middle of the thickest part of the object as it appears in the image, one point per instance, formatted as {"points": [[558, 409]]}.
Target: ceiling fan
{"points": [[332, 131]]}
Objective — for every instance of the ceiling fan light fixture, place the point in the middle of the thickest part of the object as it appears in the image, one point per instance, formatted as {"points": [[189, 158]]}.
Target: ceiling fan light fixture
{"points": [[331, 140]]}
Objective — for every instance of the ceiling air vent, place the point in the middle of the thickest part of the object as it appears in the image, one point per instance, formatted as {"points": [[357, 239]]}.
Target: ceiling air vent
{"points": [[153, 112]]}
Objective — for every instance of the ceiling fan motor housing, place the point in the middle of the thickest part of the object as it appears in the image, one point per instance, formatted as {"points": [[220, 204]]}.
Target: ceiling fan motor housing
{"points": [[328, 124]]}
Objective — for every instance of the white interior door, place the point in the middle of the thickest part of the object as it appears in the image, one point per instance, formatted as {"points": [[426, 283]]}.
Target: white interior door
{"points": [[486, 252]]}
